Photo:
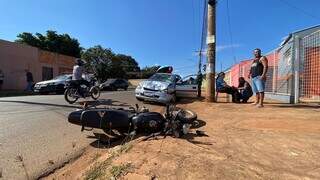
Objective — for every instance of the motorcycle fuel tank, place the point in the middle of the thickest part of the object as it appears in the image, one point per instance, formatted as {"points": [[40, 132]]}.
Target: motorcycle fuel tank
{"points": [[149, 122]]}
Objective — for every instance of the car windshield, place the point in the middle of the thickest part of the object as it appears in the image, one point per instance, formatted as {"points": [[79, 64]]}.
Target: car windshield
{"points": [[62, 77], [162, 77]]}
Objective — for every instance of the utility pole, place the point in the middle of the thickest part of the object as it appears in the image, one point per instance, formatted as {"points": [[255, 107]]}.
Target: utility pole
{"points": [[211, 52]]}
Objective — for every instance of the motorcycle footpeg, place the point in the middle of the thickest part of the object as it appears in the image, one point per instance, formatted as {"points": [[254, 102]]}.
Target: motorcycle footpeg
{"points": [[86, 129]]}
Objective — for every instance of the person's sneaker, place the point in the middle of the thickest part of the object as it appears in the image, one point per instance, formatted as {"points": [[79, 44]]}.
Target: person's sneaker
{"points": [[259, 106], [254, 104]]}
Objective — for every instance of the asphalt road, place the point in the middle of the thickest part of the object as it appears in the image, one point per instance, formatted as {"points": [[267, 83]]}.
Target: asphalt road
{"points": [[35, 136]]}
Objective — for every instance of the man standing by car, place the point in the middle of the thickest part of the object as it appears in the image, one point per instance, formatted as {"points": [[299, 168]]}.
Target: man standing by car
{"points": [[258, 75]]}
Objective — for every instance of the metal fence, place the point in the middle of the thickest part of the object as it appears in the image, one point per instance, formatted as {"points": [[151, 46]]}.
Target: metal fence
{"points": [[294, 70], [309, 68], [274, 83]]}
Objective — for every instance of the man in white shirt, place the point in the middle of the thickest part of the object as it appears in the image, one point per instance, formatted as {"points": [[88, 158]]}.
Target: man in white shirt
{"points": [[77, 75]]}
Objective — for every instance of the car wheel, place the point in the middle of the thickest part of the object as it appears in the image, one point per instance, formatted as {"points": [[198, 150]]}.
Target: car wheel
{"points": [[113, 88]]}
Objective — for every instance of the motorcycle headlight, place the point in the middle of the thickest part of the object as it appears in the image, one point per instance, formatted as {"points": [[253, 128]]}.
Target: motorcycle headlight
{"points": [[186, 128]]}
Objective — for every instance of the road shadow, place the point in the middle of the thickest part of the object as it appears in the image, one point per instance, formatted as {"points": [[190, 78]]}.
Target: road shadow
{"points": [[190, 100], [104, 141], [297, 106], [190, 137], [41, 104], [101, 102], [154, 103]]}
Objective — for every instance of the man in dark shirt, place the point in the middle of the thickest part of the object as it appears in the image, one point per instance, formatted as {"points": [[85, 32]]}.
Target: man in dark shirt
{"points": [[258, 75], [1, 79], [245, 90], [29, 78]]}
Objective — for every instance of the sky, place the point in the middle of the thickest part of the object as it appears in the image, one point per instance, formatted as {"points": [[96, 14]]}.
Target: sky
{"points": [[163, 32]]}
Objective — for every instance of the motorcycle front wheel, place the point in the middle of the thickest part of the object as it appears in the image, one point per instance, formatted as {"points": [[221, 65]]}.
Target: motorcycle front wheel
{"points": [[70, 95], [95, 92], [186, 116]]}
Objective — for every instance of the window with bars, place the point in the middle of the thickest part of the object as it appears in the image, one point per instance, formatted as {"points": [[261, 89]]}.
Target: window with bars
{"points": [[47, 73]]}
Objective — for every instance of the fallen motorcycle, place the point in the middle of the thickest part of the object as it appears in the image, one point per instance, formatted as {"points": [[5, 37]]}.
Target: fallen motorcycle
{"points": [[175, 121]]}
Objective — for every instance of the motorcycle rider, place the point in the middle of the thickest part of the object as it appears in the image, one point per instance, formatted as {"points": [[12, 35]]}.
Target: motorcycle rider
{"points": [[77, 75]]}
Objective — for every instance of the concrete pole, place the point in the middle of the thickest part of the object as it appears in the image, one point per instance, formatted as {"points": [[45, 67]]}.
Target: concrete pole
{"points": [[296, 66], [211, 52]]}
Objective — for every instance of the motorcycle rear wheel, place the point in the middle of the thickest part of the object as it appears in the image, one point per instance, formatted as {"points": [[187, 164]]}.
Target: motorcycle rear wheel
{"points": [[69, 95]]}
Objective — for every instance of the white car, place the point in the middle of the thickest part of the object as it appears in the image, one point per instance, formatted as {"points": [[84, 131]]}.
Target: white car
{"points": [[165, 88]]}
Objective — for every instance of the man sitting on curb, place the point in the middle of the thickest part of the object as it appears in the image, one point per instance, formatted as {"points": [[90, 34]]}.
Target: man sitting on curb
{"points": [[223, 87]]}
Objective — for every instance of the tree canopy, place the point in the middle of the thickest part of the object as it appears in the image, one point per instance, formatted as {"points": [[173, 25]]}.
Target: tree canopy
{"points": [[101, 61], [148, 71], [106, 64], [51, 41]]}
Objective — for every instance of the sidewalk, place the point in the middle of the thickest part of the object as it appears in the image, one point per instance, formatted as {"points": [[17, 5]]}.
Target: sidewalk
{"points": [[10, 93], [244, 142]]}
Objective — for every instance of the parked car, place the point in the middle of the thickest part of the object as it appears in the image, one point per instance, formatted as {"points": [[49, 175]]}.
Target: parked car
{"points": [[55, 85], [115, 84], [166, 87]]}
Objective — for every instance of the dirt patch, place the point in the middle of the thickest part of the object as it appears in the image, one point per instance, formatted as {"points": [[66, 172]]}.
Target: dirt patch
{"points": [[242, 142]]}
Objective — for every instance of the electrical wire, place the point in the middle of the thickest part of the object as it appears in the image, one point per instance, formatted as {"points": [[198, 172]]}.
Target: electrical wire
{"points": [[230, 33], [300, 10], [204, 31], [194, 21]]}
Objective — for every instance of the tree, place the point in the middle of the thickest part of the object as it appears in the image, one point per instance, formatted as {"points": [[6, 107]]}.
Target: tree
{"points": [[148, 71], [28, 38], [99, 60], [51, 41], [128, 63], [107, 64]]}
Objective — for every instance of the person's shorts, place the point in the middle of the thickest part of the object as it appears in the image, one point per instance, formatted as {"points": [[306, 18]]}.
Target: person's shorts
{"points": [[258, 85]]}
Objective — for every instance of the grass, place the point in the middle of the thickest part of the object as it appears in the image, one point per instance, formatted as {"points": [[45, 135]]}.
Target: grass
{"points": [[100, 169], [117, 171], [95, 157]]}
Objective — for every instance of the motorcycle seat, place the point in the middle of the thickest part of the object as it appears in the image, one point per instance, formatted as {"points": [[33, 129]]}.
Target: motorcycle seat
{"points": [[105, 119]]}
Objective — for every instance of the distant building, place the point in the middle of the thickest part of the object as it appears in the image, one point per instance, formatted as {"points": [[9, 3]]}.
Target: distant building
{"points": [[15, 58]]}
